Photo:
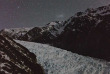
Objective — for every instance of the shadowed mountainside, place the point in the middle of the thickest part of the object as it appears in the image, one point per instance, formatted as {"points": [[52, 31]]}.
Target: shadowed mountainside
{"points": [[16, 59]]}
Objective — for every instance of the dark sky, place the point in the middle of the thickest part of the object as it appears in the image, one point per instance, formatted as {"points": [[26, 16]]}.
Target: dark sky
{"points": [[28, 13]]}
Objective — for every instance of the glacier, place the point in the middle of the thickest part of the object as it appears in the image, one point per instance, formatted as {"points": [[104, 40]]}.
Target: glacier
{"points": [[58, 61]]}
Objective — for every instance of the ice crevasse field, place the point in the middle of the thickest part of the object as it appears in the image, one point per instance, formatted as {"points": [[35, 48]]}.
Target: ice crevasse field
{"points": [[59, 61]]}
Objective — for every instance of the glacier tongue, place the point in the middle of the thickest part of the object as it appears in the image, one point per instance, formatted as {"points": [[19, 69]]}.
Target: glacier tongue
{"points": [[58, 61]]}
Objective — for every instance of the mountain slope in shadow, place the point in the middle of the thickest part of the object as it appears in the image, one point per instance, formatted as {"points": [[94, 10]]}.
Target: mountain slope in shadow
{"points": [[16, 59]]}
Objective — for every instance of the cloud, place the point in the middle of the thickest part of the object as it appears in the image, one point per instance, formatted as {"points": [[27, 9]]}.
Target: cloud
{"points": [[60, 16]]}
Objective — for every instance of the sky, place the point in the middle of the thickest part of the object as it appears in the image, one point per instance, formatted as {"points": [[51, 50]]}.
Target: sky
{"points": [[31, 13]]}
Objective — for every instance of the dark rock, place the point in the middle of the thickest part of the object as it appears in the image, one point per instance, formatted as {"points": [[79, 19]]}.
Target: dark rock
{"points": [[88, 33], [16, 59]]}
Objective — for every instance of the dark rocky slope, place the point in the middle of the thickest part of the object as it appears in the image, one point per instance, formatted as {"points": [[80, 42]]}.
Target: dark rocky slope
{"points": [[16, 59], [88, 33]]}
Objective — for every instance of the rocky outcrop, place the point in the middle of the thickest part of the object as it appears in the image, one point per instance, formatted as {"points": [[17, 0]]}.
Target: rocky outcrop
{"points": [[16, 59]]}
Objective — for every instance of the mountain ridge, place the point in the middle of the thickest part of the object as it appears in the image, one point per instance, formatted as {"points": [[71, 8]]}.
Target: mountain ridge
{"points": [[83, 31]]}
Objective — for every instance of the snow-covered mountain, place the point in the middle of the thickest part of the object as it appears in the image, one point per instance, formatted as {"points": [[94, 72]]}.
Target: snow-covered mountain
{"points": [[15, 33], [86, 33], [37, 34], [16, 59], [44, 34], [58, 61]]}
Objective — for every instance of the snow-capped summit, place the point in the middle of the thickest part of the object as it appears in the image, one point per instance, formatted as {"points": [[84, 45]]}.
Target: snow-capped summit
{"points": [[55, 28], [44, 34], [54, 23]]}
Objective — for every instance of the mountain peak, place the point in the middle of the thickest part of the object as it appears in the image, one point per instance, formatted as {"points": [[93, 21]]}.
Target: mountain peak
{"points": [[86, 33]]}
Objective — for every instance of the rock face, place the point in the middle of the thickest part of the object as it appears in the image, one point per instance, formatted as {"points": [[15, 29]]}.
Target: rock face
{"points": [[16, 59]]}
